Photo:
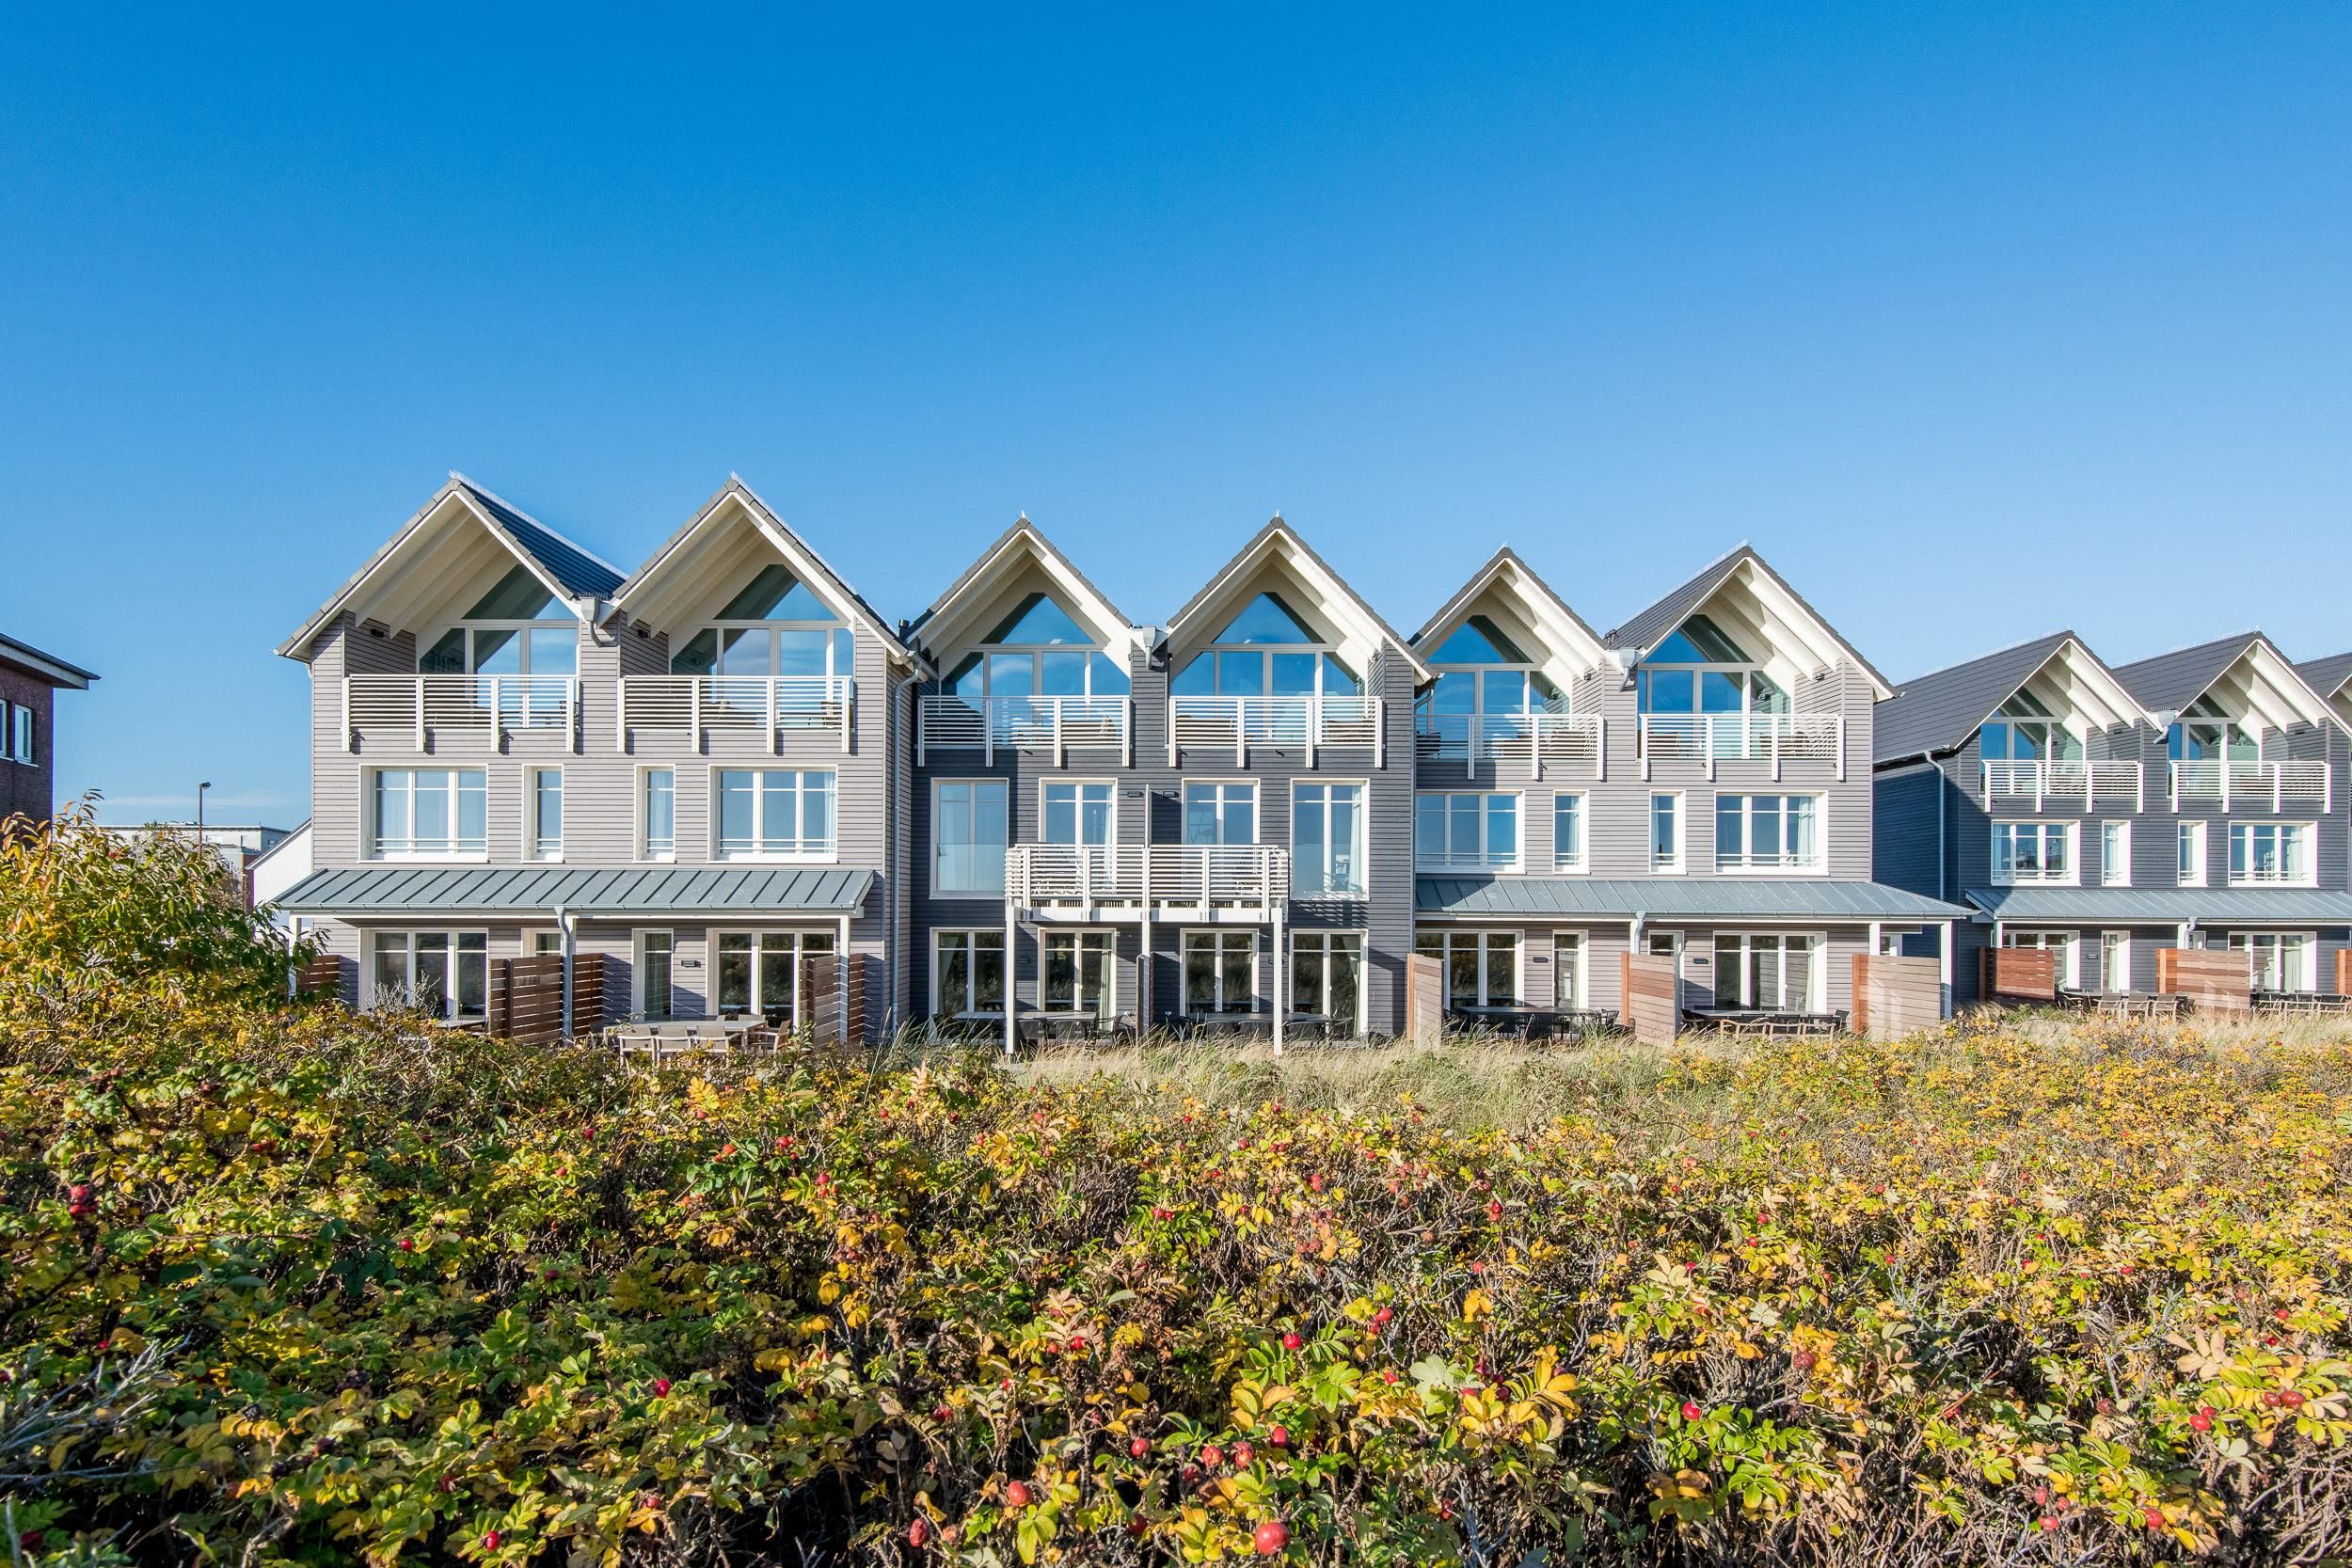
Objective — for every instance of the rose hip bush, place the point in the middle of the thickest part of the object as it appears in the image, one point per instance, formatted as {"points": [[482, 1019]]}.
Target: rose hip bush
{"points": [[284, 1285]]}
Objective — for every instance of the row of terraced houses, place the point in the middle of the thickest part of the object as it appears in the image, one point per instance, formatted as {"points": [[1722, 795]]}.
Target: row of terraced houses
{"points": [[1022, 807]]}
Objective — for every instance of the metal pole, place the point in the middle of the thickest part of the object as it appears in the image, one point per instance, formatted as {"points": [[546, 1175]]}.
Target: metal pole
{"points": [[564, 925], [1012, 977]]}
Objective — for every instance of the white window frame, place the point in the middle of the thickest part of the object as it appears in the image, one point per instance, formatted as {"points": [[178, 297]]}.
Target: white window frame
{"points": [[1046, 937], [761, 955], [2068, 834], [1578, 968], [638, 964], [1329, 941], [2303, 956], [1223, 786], [19, 735], [1582, 860], [1682, 834], [2067, 943], [2302, 835], [2115, 853], [835, 666], [643, 815], [454, 935], [939, 886], [456, 851], [2111, 945], [2189, 854], [1044, 813], [521, 630], [1449, 937], [1746, 864], [1360, 851], [534, 846], [1814, 949], [757, 854], [1218, 934], [542, 942], [967, 1004], [1481, 860]]}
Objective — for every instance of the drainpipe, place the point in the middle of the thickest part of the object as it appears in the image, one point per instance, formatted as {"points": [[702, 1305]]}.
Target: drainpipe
{"points": [[563, 924]]}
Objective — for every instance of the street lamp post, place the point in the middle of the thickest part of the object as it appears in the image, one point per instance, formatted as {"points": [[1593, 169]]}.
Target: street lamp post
{"points": [[200, 809]]}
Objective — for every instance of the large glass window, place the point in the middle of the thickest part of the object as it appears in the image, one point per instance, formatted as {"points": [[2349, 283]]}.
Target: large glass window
{"points": [[2115, 854], [1078, 814], [760, 971], [1327, 976], [1481, 968], [1267, 650], [1768, 971], [2033, 852], [1220, 814], [2189, 868], [2024, 729], [1327, 839], [546, 813], [1467, 833], [968, 973], [2205, 733], [444, 973], [1665, 833], [1221, 972], [1768, 833], [1078, 973], [2115, 962], [19, 735], [654, 951], [775, 625], [1568, 832], [517, 628], [1568, 970], [1487, 685], [2270, 852], [1701, 670], [427, 811], [775, 812], [658, 813], [1038, 651], [968, 839], [2278, 960]]}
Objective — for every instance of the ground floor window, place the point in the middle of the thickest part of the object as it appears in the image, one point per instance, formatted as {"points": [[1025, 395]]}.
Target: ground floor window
{"points": [[2280, 960], [2114, 960], [968, 973], [2058, 944], [655, 950], [1767, 970], [446, 974], [1482, 968], [1220, 972], [1568, 987], [758, 971], [1078, 973], [1328, 976]]}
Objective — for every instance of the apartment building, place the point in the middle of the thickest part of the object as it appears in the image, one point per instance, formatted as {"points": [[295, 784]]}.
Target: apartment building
{"points": [[2195, 798], [29, 683]]}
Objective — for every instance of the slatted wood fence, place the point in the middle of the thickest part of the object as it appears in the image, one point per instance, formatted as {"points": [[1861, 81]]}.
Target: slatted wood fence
{"points": [[2343, 972], [2214, 979], [525, 1000], [1425, 999], [1652, 1008], [2018, 974], [1893, 996], [324, 974]]}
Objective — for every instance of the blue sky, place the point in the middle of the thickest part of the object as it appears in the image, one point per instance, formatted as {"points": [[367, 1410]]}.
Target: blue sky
{"points": [[1979, 321]]}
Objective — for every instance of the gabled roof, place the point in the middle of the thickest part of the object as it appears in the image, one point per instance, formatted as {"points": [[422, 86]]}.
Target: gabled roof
{"points": [[1937, 712], [568, 571], [2327, 676], [1648, 627], [2168, 683], [1279, 538], [831, 585], [1023, 536], [48, 668], [1505, 565]]}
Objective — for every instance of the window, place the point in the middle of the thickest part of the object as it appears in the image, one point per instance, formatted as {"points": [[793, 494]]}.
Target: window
{"points": [[1466, 832], [2024, 729], [2114, 960], [775, 812], [2191, 866], [2058, 942], [1568, 986], [654, 950], [546, 814], [2033, 852], [445, 974], [1767, 972], [658, 815], [1665, 833], [1568, 832], [1038, 651], [2115, 854], [2279, 960], [759, 972], [2270, 852], [1327, 976], [517, 628], [1267, 650], [968, 973], [2205, 733], [1078, 973], [427, 811], [19, 735], [775, 625], [1486, 688], [1482, 968], [1220, 972], [543, 944], [1220, 814], [1078, 814], [1327, 839], [1767, 832], [968, 839]]}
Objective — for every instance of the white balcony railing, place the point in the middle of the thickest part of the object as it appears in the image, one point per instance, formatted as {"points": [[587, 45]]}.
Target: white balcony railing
{"points": [[2277, 784], [1244, 877], [1472, 738], [427, 712], [1709, 738], [2079, 783], [1304, 725], [764, 708], [949, 722]]}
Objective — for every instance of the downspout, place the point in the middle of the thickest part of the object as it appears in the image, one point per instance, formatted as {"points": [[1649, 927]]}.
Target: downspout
{"points": [[563, 924]]}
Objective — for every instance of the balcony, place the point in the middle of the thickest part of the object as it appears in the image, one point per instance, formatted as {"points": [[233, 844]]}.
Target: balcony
{"points": [[1772, 738], [430, 713], [2253, 785], [1305, 724], [1471, 739], [732, 710], [2081, 785], [1197, 881], [951, 724]]}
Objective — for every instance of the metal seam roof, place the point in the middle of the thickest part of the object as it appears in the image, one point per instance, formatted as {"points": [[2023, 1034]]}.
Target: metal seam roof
{"points": [[583, 890], [1624, 897], [2164, 906]]}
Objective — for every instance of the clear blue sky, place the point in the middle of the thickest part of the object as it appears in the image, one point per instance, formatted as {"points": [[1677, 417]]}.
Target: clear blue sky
{"points": [[1978, 320]]}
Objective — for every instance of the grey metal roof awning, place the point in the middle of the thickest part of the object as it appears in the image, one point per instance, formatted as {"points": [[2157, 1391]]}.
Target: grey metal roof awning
{"points": [[2166, 906], [1661, 898], [484, 890]]}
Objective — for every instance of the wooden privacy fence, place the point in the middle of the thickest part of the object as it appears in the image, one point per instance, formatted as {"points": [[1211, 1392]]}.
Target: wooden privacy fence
{"points": [[1425, 999], [1652, 1005], [2343, 972], [525, 1000], [2214, 980], [2018, 974], [1895, 996], [830, 1016], [322, 974]]}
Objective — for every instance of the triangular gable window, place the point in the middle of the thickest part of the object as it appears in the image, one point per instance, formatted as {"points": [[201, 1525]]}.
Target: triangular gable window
{"points": [[1479, 641], [518, 597], [1698, 640], [1038, 622], [1265, 619], [776, 594]]}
